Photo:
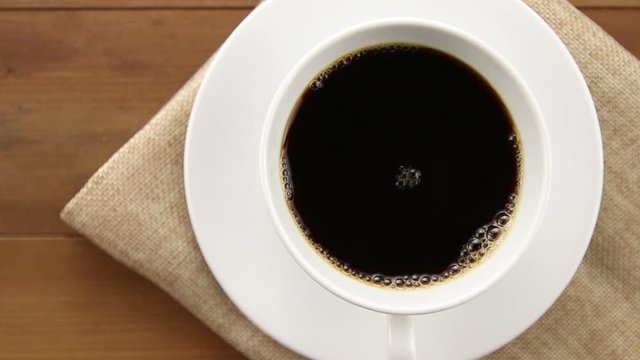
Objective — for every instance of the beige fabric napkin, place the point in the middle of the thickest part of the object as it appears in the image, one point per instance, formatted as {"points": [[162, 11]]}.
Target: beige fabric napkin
{"points": [[134, 209]]}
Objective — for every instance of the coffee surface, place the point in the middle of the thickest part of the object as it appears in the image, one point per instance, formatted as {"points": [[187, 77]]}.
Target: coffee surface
{"points": [[401, 165]]}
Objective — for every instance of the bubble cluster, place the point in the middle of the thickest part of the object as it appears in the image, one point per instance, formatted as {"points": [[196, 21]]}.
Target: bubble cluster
{"points": [[287, 183], [486, 237], [319, 81], [513, 139], [408, 177]]}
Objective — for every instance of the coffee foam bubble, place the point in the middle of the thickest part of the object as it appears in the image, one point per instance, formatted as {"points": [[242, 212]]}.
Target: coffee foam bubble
{"points": [[318, 82]]}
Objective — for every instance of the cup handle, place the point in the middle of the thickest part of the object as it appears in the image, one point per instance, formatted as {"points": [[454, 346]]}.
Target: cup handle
{"points": [[402, 343]]}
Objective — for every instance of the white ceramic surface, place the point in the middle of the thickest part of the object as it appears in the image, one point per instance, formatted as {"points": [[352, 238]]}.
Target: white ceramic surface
{"points": [[231, 219], [534, 181]]}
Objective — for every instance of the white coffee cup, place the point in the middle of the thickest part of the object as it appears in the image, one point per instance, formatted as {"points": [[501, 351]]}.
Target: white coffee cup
{"points": [[535, 177]]}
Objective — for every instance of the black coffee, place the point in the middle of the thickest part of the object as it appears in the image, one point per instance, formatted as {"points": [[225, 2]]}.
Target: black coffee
{"points": [[401, 165]]}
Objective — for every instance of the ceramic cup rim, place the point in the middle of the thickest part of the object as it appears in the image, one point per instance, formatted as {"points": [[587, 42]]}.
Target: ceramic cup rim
{"points": [[536, 176]]}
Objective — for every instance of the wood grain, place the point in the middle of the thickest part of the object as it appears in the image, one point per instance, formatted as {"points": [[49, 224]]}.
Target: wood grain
{"points": [[69, 98], [128, 4], [176, 4], [606, 3], [63, 298], [75, 85], [623, 25]]}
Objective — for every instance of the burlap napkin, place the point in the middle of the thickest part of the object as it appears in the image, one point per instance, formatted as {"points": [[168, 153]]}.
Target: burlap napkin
{"points": [[134, 209]]}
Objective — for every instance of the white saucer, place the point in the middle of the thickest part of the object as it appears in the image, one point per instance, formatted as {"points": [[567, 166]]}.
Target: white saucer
{"points": [[241, 246]]}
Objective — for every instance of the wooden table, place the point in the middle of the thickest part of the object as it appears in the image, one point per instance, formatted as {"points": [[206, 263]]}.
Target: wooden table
{"points": [[77, 79]]}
